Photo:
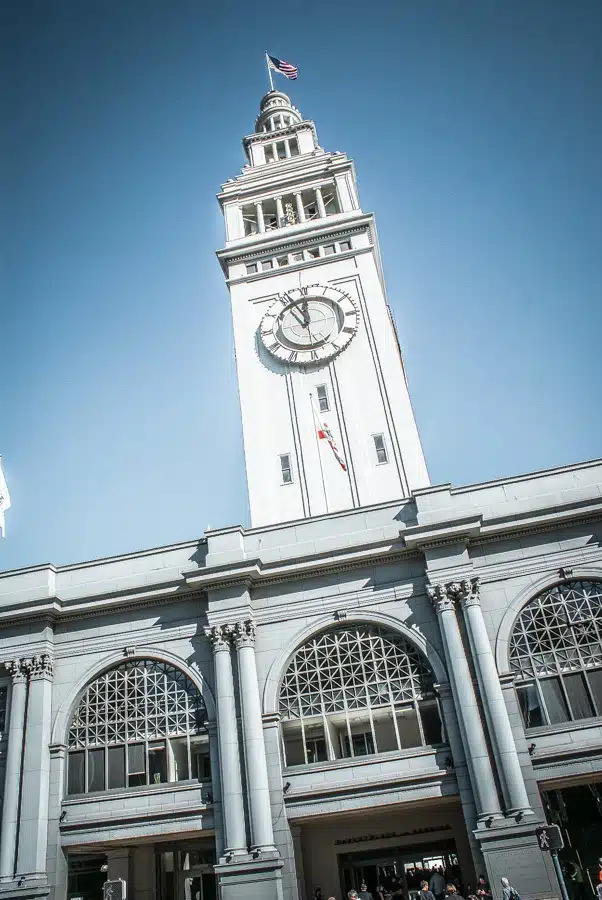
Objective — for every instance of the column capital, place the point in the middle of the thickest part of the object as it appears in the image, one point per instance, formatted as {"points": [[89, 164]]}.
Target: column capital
{"points": [[16, 669], [244, 634], [445, 596], [220, 636], [440, 598], [467, 592], [40, 667]]}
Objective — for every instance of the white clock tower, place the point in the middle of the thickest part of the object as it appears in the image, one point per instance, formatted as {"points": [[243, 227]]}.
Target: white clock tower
{"points": [[327, 419]]}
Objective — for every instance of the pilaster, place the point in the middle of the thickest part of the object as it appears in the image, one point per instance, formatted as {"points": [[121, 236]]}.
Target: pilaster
{"points": [[443, 597], [516, 802], [18, 670], [235, 837], [33, 823]]}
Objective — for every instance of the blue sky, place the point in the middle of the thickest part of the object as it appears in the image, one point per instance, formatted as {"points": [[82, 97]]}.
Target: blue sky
{"points": [[476, 130]]}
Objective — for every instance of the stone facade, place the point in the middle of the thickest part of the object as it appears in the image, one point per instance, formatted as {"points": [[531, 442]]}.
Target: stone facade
{"points": [[448, 570], [350, 695]]}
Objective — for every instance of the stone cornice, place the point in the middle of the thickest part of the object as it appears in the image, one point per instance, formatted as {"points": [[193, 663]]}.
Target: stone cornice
{"points": [[475, 528]]}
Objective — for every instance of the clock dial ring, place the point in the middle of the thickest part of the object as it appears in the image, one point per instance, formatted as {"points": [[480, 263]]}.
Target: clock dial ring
{"points": [[309, 325]]}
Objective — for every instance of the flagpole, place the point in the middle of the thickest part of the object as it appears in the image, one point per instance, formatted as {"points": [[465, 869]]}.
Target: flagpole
{"points": [[267, 62], [314, 416]]}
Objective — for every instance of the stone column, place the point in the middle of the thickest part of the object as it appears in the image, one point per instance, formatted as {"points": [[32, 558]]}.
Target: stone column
{"points": [[262, 832], [465, 701], [10, 808], [300, 210], [279, 212], [216, 789], [260, 219], [33, 817], [227, 733], [500, 731], [320, 203]]}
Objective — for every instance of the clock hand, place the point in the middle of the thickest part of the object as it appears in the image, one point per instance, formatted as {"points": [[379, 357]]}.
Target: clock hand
{"points": [[294, 314], [305, 312]]}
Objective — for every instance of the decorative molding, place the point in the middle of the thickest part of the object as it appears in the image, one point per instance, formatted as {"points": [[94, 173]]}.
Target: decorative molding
{"points": [[41, 667], [17, 670], [439, 597], [244, 634], [467, 592], [220, 636], [445, 596], [129, 651]]}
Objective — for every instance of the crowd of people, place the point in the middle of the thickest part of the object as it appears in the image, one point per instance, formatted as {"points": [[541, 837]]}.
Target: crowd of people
{"points": [[421, 884]]}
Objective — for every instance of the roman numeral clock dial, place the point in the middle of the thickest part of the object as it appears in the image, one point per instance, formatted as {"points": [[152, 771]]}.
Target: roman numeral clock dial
{"points": [[309, 325]]}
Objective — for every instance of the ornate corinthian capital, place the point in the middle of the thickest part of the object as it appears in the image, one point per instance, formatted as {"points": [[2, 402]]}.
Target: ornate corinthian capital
{"points": [[467, 592], [244, 634], [445, 596], [41, 666], [439, 597], [220, 636], [16, 670]]}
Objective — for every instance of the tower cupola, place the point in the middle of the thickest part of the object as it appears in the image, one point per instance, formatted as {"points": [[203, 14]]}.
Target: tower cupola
{"points": [[275, 112]]}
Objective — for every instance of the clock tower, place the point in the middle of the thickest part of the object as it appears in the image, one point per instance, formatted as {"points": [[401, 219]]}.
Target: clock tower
{"points": [[326, 413]]}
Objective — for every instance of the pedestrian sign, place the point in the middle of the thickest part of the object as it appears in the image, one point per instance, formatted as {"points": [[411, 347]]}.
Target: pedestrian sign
{"points": [[549, 838]]}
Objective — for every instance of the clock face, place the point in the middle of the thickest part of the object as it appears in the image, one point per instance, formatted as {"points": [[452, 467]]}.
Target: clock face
{"points": [[309, 324]]}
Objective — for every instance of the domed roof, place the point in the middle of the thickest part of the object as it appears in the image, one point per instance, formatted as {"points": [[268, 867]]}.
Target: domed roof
{"points": [[276, 102]]}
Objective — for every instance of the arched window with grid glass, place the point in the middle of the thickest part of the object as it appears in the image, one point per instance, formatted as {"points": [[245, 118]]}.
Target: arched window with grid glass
{"points": [[353, 691], [556, 654], [141, 722]]}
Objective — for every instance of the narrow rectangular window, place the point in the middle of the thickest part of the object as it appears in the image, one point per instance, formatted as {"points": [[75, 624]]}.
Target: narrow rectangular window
{"points": [[96, 770], [116, 767], [322, 393], [269, 153], [281, 149], [314, 253], [249, 218], [329, 249], [530, 706], [294, 147], [136, 765], [553, 697], [381, 450], [580, 703], [595, 683], [285, 466], [267, 264], [157, 763], [344, 245], [76, 782], [252, 268]]}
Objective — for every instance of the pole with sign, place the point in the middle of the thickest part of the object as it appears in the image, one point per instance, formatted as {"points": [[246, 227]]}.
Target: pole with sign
{"points": [[549, 838]]}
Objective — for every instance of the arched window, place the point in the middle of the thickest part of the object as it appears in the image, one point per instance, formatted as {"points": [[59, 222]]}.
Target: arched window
{"points": [[353, 691], [556, 654], [139, 723]]}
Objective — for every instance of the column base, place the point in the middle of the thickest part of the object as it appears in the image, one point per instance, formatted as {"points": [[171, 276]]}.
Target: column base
{"points": [[250, 878], [520, 813], [511, 851]]}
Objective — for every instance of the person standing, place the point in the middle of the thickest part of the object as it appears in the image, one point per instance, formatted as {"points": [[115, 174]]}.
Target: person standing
{"points": [[364, 893], [425, 892], [451, 893], [437, 884], [509, 892]]}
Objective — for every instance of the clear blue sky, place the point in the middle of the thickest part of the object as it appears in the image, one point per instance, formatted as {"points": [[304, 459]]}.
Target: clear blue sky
{"points": [[476, 129]]}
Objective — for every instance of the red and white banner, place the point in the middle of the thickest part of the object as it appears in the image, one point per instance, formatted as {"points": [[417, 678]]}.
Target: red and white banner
{"points": [[325, 434]]}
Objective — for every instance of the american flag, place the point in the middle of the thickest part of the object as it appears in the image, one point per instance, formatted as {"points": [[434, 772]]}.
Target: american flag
{"points": [[285, 68]]}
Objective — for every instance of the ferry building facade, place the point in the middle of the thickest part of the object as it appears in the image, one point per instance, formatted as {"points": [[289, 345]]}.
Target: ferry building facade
{"points": [[378, 677]]}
